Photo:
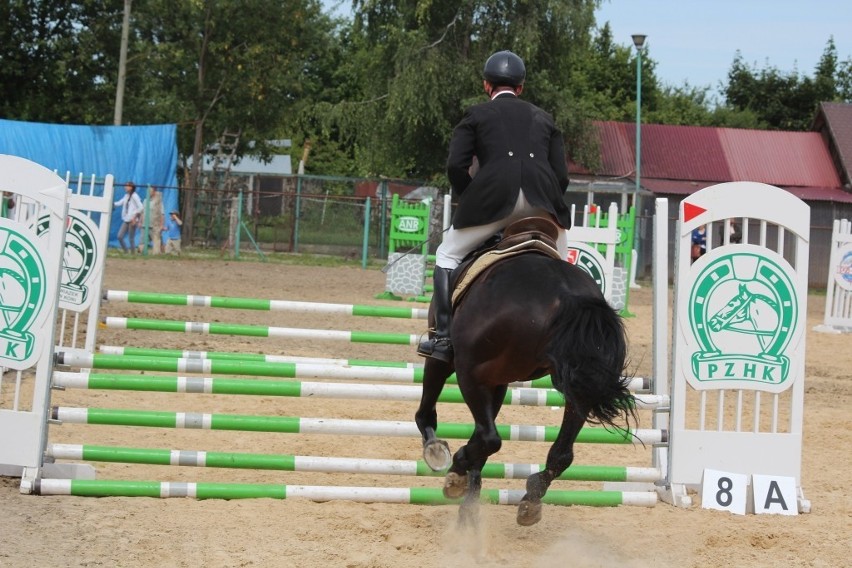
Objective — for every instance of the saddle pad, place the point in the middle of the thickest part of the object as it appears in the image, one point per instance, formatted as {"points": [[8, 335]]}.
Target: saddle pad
{"points": [[492, 257]]}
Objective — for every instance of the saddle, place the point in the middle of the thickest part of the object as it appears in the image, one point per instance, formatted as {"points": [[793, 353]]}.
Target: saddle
{"points": [[530, 234]]}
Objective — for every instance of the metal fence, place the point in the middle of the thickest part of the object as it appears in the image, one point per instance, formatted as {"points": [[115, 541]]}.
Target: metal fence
{"points": [[339, 216], [350, 217]]}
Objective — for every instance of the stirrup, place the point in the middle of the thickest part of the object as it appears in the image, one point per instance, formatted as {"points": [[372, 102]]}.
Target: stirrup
{"points": [[440, 348]]}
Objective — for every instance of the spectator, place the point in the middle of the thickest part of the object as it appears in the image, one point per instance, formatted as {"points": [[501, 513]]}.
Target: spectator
{"points": [[699, 242], [736, 235], [172, 230], [9, 207], [131, 217]]}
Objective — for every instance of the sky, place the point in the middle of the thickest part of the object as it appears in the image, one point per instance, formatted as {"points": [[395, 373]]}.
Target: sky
{"points": [[695, 41]]}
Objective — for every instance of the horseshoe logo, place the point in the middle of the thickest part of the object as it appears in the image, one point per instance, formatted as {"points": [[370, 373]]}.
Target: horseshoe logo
{"points": [[743, 314], [22, 297], [79, 259]]}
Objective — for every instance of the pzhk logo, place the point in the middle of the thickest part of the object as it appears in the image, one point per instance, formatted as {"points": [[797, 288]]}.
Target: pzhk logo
{"points": [[742, 312], [78, 258], [22, 294]]}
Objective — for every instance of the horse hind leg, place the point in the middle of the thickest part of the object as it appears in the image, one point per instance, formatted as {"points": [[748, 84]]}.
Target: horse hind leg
{"points": [[458, 483], [465, 475], [559, 458], [484, 404], [468, 487], [456, 480], [469, 508]]}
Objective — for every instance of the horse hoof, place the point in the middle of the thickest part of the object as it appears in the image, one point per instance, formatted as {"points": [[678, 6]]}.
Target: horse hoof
{"points": [[529, 513], [436, 454], [455, 485]]}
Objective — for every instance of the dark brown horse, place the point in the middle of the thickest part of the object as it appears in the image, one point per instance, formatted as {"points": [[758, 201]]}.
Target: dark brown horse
{"points": [[525, 317]]}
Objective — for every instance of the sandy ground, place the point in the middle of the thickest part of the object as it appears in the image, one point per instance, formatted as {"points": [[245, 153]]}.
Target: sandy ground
{"points": [[79, 531]]}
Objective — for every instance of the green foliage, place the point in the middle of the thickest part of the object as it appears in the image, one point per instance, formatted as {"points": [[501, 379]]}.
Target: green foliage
{"points": [[377, 95], [681, 105], [222, 66], [238, 66], [780, 100], [607, 78], [415, 66], [206, 65], [58, 62]]}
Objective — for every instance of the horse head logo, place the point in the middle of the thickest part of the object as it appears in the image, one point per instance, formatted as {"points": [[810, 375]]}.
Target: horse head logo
{"points": [[749, 313]]}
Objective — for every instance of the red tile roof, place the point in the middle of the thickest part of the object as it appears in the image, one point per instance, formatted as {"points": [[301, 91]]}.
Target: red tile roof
{"points": [[683, 159], [688, 153]]}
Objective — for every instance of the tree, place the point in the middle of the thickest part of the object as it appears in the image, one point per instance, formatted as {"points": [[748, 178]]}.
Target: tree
{"points": [[786, 100], [413, 66], [206, 65], [844, 81], [223, 66], [58, 60], [605, 79], [683, 105]]}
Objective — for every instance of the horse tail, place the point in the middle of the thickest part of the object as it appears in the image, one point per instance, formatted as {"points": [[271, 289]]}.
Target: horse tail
{"points": [[587, 353]]}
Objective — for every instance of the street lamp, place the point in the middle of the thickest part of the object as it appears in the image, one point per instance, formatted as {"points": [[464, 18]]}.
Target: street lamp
{"points": [[638, 42]]}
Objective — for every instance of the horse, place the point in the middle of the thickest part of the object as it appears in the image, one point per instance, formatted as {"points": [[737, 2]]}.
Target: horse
{"points": [[523, 318]]}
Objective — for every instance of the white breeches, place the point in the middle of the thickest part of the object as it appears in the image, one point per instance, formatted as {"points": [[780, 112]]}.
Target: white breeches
{"points": [[458, 243]]}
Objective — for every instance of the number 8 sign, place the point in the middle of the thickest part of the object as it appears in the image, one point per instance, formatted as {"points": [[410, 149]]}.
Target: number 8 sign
{"points": [[724, 491]]}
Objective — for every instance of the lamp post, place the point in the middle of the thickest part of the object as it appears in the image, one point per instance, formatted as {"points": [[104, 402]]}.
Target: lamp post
{"points": [[638, 42]]}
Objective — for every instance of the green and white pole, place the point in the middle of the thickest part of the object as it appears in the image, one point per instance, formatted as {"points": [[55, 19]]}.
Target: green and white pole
{"points": [[328, 464], [226, 355], [263, 305], [236, 367], [413, 496], [205, 328], [305, 389], [340, 427], [150, 360]]}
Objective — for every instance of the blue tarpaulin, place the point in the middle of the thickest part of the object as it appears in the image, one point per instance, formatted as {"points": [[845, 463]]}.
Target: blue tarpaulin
{"points": [[145, 155]]}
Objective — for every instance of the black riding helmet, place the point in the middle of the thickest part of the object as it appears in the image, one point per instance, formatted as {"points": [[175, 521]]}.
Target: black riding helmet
{"points": [[504, 68]]}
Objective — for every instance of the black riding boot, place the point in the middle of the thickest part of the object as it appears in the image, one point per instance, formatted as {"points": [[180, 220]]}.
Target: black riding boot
{"points": [[439, 345]]}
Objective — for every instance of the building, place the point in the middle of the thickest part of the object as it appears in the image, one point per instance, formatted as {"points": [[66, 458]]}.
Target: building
{"points": [[679, 160]]}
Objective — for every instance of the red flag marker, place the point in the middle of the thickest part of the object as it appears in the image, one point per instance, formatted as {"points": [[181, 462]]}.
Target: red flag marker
{"points": [[691, 211]]}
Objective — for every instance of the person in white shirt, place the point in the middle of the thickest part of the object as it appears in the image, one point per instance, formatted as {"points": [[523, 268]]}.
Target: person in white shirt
{"points": [[131, 216]]}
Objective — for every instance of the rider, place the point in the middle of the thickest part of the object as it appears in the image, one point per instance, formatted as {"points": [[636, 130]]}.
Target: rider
{"points": [[522, 172]]}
